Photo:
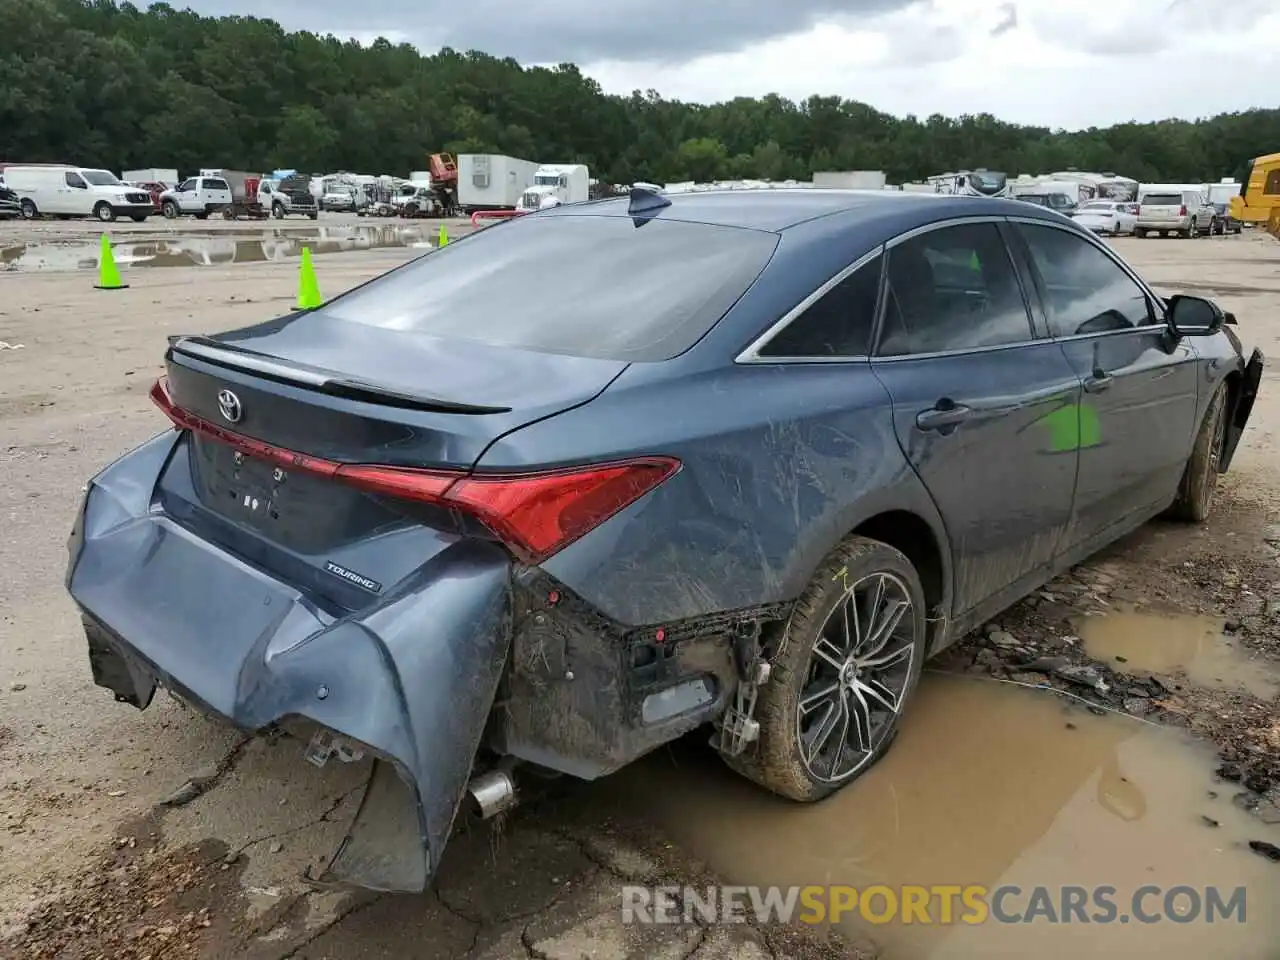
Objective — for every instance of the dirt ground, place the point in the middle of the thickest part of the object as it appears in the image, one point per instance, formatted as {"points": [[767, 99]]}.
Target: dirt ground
{"points": [[92, 865]]}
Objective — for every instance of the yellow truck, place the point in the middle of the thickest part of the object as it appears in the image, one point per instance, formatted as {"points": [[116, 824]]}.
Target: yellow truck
{"points": [[1259, 192]]}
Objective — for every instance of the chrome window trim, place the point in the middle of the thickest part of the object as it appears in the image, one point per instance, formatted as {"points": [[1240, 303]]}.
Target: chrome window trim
{"points": [[1032, 339], [751, 353], [942, 225], [966, 351], [1159, 325]]}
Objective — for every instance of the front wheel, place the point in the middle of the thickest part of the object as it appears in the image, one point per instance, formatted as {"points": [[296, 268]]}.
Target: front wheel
{"points": [[139, 218], [845, 667], [1200, 477], [277, 211], [314, 215], [104, 212], [169, 209]]}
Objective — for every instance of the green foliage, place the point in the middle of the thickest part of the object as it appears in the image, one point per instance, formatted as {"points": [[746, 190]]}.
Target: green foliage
{"points": [[91, 82]]}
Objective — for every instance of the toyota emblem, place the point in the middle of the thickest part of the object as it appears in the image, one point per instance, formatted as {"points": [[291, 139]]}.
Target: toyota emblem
{"points": [[229, 406]]}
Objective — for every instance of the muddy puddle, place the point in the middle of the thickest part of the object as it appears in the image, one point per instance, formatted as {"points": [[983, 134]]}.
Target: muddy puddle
{"points": [[210, 248], [992, 785], [1177, 643]]}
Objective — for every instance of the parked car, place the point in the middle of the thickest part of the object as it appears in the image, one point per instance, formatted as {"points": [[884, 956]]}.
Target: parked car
{"points": [[289, 196], [337, 200], [197, 196], [65, 191], [155, 190], [1109, 217], [1185, 214], [1226, 222], [9, 208], [451, 526]]}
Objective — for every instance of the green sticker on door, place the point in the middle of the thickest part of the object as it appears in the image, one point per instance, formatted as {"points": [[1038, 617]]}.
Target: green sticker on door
{"points": [[1073, 427]]}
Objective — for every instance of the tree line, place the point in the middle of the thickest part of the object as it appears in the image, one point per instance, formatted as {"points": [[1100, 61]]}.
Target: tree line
{"points": [[104, 84]]}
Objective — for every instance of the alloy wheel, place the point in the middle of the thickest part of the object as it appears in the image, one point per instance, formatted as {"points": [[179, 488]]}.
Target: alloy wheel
{"points": [[858, 674]]}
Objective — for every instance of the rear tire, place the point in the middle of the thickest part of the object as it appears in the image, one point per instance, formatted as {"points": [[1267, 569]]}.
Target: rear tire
{"points": [[139, 218], [28, 210], [823, 725], [1139, 234], [1200, 477]]}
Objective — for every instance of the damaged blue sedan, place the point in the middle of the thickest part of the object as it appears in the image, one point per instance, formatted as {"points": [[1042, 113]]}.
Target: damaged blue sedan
{"points": [[576, 485]]}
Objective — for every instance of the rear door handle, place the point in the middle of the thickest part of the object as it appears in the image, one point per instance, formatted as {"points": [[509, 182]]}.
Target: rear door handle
{"points": [[942, 416], [1097, 382]]}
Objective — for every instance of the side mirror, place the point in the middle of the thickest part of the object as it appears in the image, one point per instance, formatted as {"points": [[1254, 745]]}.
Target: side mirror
{"points": [[1195, 316]]}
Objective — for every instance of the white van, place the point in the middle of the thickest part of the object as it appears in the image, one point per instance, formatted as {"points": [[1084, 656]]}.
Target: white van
{"points": [[49, 190]]}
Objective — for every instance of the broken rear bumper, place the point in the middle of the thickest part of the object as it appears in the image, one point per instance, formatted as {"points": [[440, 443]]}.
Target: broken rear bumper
{"points": [[412, 677]]}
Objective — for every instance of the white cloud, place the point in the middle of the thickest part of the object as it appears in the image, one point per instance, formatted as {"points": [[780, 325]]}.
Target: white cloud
{"points": [[1065, 63]]}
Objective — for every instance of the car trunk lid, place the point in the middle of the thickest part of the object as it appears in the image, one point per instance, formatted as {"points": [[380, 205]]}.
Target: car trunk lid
{"points": [[271, 425]]}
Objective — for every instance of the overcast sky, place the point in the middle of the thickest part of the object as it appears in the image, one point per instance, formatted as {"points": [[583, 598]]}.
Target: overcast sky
{"points": [[1060, 63]]}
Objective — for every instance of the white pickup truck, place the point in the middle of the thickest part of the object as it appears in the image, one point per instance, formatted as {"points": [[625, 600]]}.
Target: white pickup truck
{"points": [[196, 196]]}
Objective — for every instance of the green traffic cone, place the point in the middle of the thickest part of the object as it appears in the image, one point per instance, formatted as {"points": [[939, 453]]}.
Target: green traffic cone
{"points": [[444, 237], [108, 275], [308, 288]]}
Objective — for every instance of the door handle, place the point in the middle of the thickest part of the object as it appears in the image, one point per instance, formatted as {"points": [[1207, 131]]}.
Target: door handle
{"points": [[1097, 382], [943, 415]]}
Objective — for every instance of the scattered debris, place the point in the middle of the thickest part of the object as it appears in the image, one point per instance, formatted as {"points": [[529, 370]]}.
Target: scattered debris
{"points": [[1268, 850]]}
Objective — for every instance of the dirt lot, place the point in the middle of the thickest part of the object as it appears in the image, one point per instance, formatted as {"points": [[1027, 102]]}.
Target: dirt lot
{"points": [[1176, 629]]}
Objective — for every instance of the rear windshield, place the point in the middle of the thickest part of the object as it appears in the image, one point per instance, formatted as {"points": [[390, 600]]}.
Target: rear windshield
{"points": [[1162, 200], [585, 285]]}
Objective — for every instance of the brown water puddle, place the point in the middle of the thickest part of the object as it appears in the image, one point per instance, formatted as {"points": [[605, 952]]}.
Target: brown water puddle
{"points": [[1172, 643], [989, 784], [210, 248]]}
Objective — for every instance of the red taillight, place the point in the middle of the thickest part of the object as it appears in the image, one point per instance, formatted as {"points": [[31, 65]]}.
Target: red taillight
{"points": [[534, 514], [538, 514], [1182, 211]]}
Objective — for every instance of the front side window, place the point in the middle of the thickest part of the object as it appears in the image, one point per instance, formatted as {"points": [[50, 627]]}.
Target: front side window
{"points": [[952, 289], [836, 325], [1085, 290], [102, 178], [186, 185], [73, 180], [1272, 185]]}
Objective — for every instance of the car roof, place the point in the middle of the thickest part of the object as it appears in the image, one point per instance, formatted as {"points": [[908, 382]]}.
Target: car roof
{"points": [[780, 210]]}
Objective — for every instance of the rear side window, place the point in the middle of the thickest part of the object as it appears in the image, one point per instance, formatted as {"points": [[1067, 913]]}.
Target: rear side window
{"points": [[586, 286], [216, 185], [838, 324], [1163, 200], [953, 289]]}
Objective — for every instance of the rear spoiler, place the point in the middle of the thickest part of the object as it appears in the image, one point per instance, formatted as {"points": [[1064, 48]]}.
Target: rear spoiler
{"points": [[314, 378]]}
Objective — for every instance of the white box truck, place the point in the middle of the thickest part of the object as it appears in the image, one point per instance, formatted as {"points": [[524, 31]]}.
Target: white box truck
{"points": [[556, 183], [850, 179], [490, 181], [165, 175]]}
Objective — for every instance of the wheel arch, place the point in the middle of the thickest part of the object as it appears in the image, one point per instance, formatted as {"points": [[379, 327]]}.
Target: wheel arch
{"points": [[923, 544]]}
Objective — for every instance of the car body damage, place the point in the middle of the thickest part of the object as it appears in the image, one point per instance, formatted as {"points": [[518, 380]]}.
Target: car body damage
{"points": [[410, 677], [454, 523]]}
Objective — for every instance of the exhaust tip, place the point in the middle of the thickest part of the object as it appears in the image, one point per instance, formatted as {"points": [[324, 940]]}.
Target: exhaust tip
{"points": [[492, 792]]}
